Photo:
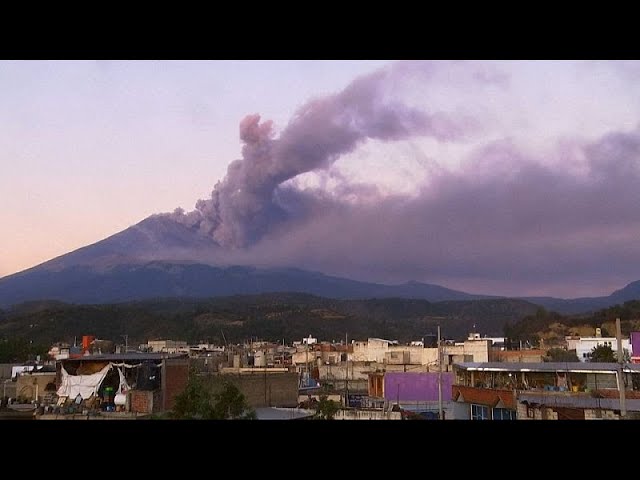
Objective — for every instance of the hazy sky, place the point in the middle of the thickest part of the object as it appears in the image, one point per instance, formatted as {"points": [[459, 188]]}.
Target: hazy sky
{"points": [[501, 177]]}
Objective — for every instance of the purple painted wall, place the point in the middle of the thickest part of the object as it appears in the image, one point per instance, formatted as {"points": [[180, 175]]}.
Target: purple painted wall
{"points": [[416, 387], [635, 344]]}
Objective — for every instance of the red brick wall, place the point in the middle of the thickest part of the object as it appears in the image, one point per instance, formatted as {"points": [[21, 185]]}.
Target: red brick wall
{"points": [[176, 375], [141, 401]]}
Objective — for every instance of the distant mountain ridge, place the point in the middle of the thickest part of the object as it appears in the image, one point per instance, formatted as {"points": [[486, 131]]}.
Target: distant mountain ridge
{"points": [[587, 304], [159, 257], [126, 282]]}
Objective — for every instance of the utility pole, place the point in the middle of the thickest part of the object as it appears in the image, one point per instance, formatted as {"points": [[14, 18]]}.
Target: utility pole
{"points": [[621, 386], [126, 343], [440, 413], [346, 373]]}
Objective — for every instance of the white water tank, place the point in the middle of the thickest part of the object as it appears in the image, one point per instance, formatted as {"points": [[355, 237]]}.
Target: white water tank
{"points": [[259, 359]]}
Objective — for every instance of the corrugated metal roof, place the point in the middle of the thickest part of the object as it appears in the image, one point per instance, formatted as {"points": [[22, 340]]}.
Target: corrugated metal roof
{"points": [[129, 356], [572, 367], [575, 401]]}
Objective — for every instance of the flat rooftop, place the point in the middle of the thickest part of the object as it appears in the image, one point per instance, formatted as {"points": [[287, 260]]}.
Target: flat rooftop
{"points": [[274, 413]]}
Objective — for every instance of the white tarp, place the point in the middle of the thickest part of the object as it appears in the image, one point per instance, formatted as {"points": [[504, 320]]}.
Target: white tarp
{"points": [[85, 385], [15, 371], [123, 387]]}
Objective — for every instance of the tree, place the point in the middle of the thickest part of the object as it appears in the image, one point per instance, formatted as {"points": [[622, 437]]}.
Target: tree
{"points": [[198, 402], [327, 409], [18, 349], [230, 404], [626, 356], [603, 353], [561, 355], [195, 400]]}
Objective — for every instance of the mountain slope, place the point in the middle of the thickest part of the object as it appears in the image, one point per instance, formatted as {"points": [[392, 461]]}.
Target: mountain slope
{"points": [[570, 306], [119, 283], [160, 257], [155, 238]]}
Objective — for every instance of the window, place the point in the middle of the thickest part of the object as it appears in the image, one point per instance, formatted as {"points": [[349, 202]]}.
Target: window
{"points": [[504, 414], [479, 412]]}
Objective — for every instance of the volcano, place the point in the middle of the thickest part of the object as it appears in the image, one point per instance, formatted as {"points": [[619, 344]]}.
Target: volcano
{"points": [[160, 257]]}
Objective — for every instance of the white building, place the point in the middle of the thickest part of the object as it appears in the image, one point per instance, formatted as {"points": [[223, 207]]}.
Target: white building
{"points": [[309, 340], [373, 350], [498, 342], [167, 346], [389, 352], [584, 345]]}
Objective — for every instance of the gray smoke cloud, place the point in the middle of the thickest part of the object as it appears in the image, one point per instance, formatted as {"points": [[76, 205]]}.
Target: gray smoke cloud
{"points": [[247, 203], [507, 223], [511, 220]]}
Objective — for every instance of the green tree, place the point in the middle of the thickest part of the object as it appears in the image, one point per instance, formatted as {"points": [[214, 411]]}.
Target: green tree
{"points": [[198, 402], [13, 350], [561, 355], [603, 353], [195, 400], [327, 409], [230, 404]]}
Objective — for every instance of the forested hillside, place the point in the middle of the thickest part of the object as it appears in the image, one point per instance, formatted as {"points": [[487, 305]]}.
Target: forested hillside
{"points": [[268, 316]]}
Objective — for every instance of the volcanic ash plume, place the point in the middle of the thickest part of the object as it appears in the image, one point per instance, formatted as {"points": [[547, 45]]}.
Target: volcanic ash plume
{"points": [[243, 206]]}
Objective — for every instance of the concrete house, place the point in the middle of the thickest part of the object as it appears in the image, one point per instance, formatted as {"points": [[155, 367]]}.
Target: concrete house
{"points": [[545, 391]]}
